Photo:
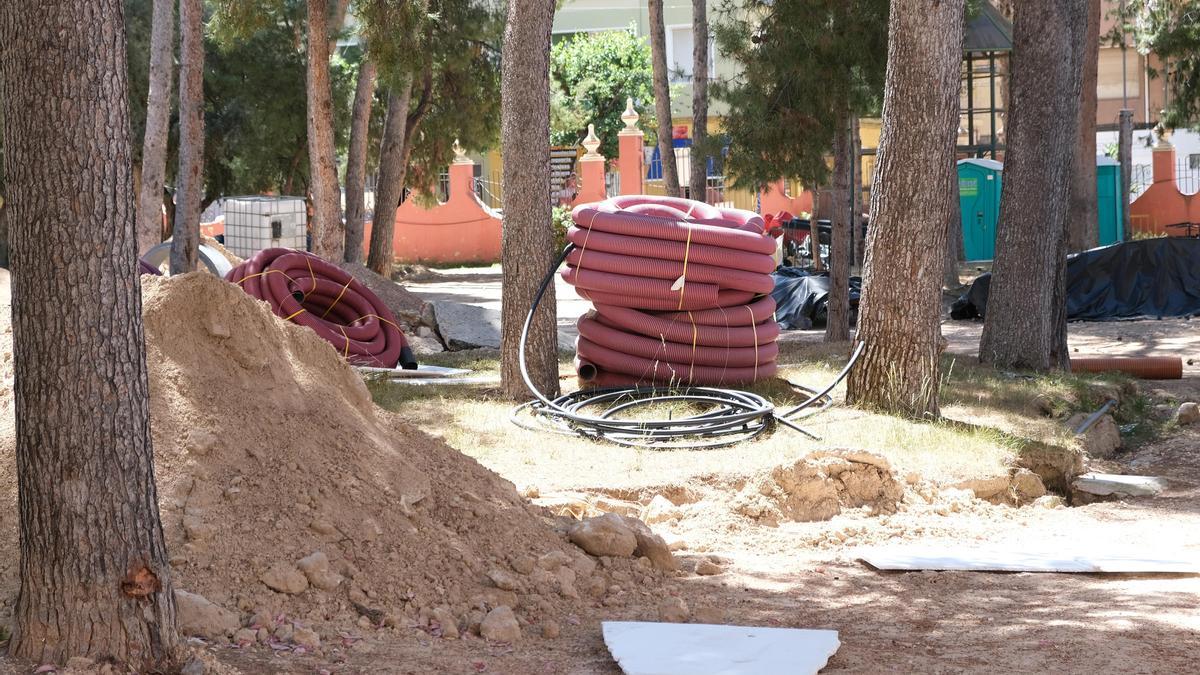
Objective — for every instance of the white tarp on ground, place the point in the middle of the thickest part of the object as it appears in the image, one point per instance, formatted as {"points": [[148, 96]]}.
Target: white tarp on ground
{"points": [[1020, 559], [647, 648]]}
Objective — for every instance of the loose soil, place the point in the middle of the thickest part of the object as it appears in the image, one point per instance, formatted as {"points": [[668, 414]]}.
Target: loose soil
{"points": [[773, 526]]}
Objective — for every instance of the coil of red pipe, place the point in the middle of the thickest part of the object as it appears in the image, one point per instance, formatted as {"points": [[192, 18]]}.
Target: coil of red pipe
{"points": [[304, 289], [680, 291]]}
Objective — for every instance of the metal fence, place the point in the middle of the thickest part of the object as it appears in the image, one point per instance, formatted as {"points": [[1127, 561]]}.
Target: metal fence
{"points": [[1187, 176]]}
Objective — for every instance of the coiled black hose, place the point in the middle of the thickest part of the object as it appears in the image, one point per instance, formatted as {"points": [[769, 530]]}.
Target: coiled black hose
{"points": [[730, 416]]}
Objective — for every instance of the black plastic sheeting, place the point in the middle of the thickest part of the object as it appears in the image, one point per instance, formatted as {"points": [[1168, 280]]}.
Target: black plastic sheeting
{"points": [[1150, 278], [802, 298]]}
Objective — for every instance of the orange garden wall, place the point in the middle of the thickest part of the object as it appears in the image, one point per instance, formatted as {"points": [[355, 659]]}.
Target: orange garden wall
{"points": [[458, 231], [1162, 203]]}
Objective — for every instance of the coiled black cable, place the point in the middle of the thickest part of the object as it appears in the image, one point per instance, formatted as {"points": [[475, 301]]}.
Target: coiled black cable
{"points": [[730, 416]]}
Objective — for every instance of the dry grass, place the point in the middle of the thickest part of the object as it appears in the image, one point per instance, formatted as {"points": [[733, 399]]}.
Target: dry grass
{"points": [[990, 417]]}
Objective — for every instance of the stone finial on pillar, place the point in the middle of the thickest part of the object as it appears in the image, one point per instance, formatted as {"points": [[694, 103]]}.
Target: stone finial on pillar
{"points": [[460, 155], [630, 118], [592, 143], [1163, 157]]}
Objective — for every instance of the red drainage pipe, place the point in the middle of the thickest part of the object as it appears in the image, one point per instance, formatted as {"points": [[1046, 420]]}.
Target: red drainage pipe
{"points": [[304, 289], [676, 287], [1144, 367]]}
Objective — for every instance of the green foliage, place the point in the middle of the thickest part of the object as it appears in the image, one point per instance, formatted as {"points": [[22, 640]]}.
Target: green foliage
{"points": [[462, 60], [804, 65], [396, 33], [1171, 30], [560, 218], [256, 114], [591, 76]]}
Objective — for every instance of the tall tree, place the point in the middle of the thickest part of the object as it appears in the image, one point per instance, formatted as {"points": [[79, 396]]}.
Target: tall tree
{"points": [[356, 161], [786, 50], [393, 165], [527, 250], [328, 234], [698, 178], [662, 97], [1171, 31], [1025, 326], [94, 578], [900, 312], [1083, 228], [185, 238], [158, 123], [837, 325]]}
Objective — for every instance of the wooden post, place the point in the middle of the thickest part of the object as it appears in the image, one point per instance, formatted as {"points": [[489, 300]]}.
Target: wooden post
{"points": [[1125, 157]]}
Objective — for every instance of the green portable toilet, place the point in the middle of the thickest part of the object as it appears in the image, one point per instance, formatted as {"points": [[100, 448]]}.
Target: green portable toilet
{"points": [[979, 201], [1108, 200]]}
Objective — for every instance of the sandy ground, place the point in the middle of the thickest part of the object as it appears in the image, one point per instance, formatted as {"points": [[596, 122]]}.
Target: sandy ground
{"points": [[925, 622]]}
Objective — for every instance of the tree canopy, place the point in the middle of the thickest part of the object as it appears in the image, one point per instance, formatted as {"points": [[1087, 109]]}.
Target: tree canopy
{"points": [[804, 65], [591, 76], [1170, 30]]}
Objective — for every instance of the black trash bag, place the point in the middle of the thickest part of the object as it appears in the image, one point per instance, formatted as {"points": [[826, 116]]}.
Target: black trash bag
{"points": [[1148, 278], [802, 298]]}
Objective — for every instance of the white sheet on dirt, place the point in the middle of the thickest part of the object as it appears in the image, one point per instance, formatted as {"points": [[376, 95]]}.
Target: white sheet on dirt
{"points": [[647, 648], [1021, 559], [1104, 484]]}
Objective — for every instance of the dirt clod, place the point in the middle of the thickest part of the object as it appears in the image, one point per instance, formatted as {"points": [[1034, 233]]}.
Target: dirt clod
{"points": [[500, 625], [196, 616], [605, 535]]}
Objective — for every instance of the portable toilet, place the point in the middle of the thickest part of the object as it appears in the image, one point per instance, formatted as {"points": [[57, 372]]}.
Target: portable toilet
{"points": [[979, 203], [1108, 200]]}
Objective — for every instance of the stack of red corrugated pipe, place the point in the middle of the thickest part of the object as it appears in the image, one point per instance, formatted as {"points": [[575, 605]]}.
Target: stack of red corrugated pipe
{"points": [[680, 290]]}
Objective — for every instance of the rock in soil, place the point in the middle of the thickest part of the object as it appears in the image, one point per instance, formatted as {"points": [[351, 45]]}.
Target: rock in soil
{"points": [[673, 610], [1188, 413], [652, 546], [500, 625], [1101, 440], [285, 578], [197, 617], [606, 535]]}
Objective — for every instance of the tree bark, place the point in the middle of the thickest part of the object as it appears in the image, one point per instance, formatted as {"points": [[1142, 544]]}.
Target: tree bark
{"points": [[900, 310], [356, 162], [954, 237], [94, 578], [185, 237], [1025, 326], [329, 237], [662, 97], [837, 325], [528, 244], [390, 187], [856, 219], [158, 123], [1084, 227], [698, 178]]}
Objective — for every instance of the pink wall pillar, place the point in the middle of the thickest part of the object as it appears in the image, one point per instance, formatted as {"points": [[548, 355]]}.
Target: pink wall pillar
{"points": [[631, 160], [1164, 161], [591, 171]]}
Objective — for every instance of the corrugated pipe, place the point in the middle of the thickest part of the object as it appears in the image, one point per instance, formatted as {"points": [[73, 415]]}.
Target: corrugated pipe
{"points": [[676, 287], [304, 289], [1144, 367]]}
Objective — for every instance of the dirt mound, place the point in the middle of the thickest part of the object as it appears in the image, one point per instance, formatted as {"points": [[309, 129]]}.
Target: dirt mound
{"points": [[819, 486], [220, 248], [290, 499]]}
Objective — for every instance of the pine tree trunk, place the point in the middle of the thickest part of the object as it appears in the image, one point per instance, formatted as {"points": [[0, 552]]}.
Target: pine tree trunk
{"points": [[1025, 326], [954, 237], [856, 219], [356, 162], [390, 187], [329, 236], [1084, 226], [662, 97], [528, 244], [185, 237], [837, 326], [158, 123], [698, 178], [94, 578], [900, 310]]}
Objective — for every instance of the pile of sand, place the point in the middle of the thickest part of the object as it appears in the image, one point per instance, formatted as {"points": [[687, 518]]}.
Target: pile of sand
{"points": [[269, 450]]}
